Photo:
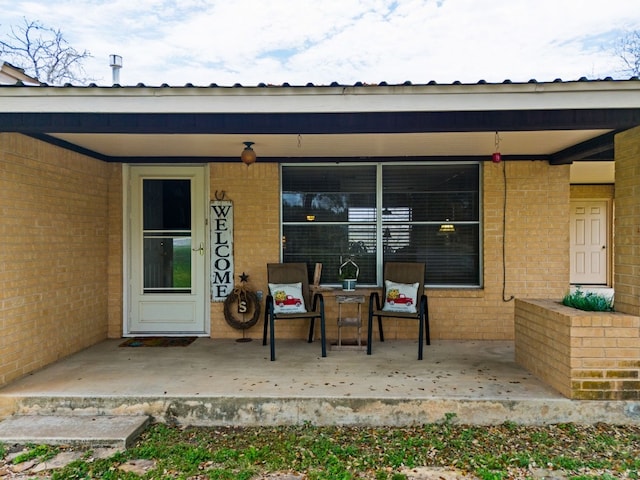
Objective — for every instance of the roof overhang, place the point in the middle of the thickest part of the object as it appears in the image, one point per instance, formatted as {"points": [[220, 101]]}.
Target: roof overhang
{"points": [[10, 75], [562, 122]]}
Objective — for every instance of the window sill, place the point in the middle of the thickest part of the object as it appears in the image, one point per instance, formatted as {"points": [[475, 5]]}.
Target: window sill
{"points": [[464, 292]]}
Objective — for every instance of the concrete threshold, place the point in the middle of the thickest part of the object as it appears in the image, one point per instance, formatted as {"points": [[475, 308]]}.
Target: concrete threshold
{"points": [[95, 431]]}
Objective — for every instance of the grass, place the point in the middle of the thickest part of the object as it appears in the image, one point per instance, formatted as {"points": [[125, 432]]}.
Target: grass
{"points": [[589, 301], [345, 453], [182, 266], [39, 452]]}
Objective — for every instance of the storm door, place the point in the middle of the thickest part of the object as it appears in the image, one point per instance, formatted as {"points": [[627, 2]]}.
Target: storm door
{"points": [[167, 278]]}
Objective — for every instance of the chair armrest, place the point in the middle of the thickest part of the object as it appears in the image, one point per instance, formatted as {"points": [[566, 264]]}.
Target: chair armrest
{"points": [[423, 304], [318, 299], [268, 305], [374, 297]]}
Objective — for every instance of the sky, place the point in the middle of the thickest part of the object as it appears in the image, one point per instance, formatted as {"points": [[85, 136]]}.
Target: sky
{"points": [[249, 42]]}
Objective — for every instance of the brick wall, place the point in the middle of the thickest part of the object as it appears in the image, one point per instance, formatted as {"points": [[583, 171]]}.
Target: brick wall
{"points": [[627, 222], [115, 252], [605, 191], [255, 192], [536, 251], [538, 230], [583, 355], [54, 252]]}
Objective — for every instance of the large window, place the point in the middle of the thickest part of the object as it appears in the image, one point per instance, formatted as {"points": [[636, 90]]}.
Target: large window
{"points": [[384, 212]]}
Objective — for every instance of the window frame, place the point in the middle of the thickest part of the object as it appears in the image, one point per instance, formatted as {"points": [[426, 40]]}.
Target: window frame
{"points": [[379, 224]]}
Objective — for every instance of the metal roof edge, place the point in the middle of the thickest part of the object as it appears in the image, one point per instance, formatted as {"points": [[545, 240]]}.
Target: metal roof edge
{"points": [[336, 86]]}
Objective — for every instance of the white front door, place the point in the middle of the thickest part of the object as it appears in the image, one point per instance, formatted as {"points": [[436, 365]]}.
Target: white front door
{"points": [[168, 291], [588, 238]]}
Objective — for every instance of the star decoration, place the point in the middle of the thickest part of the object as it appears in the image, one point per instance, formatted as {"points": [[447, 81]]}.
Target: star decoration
{"points": [[244, 277]]}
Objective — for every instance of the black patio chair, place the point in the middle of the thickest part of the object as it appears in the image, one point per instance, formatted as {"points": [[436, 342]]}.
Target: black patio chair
{"points": [[276, 307], [395, 304]]}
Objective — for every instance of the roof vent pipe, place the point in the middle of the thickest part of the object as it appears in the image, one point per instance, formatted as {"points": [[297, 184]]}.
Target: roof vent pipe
{"points": [[115, 62]]}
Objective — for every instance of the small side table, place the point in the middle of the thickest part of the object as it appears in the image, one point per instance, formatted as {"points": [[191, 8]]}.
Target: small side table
{"points": [[344, 321]]}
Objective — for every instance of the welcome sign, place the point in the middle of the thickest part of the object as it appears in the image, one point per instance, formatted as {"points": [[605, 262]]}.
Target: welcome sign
{"points": [[221, 249]]}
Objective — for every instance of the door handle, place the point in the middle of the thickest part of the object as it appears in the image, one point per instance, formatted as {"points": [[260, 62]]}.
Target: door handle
{"points": [[200, 249]]}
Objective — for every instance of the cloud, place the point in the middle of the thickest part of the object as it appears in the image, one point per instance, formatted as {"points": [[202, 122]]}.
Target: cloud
{"points": [[251, 41]]}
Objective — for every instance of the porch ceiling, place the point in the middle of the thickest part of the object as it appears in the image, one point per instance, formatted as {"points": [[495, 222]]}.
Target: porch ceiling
{"points": [[590, 152], [352, 145]]}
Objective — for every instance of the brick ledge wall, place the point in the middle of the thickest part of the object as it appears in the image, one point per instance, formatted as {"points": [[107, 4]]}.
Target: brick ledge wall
{"points": [[583, 355]]}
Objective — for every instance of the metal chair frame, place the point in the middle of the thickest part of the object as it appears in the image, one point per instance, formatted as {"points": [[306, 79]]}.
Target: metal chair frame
{"points": [[401, 272], [293, 273]]}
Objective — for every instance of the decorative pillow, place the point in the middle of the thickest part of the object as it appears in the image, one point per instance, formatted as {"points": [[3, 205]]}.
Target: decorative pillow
{"points": [[401, 297], [287, 297]]}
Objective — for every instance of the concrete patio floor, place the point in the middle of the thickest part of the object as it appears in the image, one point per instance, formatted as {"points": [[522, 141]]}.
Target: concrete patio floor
{"points": [[225, 382]]}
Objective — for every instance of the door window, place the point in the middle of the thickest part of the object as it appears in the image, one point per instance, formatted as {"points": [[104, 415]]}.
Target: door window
{"points": [[167, 236]]}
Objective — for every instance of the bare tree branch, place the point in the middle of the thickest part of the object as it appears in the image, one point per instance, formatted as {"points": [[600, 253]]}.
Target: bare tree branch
{"points": [[627, 49], [44, 54]]}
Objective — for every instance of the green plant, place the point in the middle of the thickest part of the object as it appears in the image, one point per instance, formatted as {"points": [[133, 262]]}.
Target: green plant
{"points": [[450, 418], [588, 301], [348, 270], [487, 474], [40, 452]]}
